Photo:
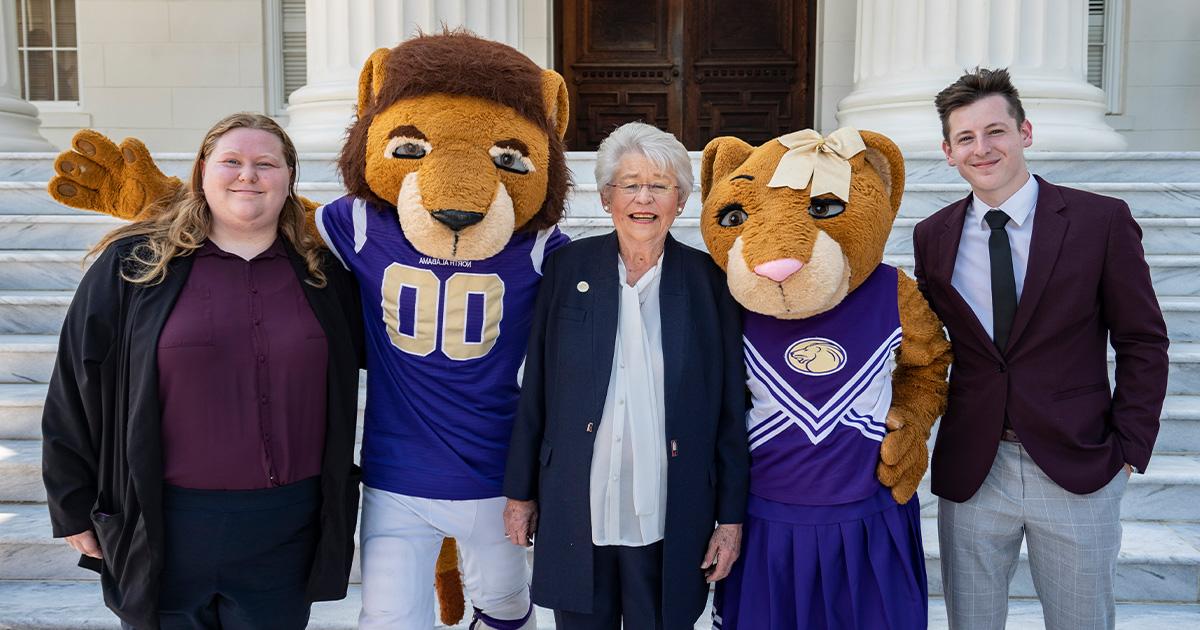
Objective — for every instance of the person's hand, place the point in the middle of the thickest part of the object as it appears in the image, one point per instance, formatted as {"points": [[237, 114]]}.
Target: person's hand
{"points": [[1128, 470], [723, 549], [85, 543], [520, 521]]}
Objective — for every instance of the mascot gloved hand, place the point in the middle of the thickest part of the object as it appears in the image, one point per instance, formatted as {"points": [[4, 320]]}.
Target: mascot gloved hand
{"points": [[846, 366], [457, 179]]}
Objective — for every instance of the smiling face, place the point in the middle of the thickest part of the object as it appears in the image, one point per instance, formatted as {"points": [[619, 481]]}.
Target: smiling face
{"points": [[643, 200], [987, 146], [246, 181]]}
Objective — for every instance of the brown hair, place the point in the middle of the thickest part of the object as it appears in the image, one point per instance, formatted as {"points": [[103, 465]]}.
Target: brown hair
{"points": [[975, 85], [181, 223], [459, 63]]}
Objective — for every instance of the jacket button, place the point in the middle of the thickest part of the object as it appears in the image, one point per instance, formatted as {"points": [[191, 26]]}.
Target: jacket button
{"points": [[1001, 369]]}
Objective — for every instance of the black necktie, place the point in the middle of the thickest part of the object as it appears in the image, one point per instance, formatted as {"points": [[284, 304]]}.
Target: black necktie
{"points": [[1004, 284]]}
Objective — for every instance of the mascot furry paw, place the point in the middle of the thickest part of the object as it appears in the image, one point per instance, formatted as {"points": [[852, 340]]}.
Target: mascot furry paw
{"points": [[456, 177], [846, 365]]}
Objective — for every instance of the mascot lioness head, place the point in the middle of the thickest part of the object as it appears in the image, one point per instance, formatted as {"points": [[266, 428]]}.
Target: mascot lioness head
{"points": [[464, 137], [800, 221]]}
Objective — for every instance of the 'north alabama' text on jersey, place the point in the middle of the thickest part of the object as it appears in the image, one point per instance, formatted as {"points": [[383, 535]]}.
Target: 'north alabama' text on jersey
{"points": [[821, 390], [444, 341]]}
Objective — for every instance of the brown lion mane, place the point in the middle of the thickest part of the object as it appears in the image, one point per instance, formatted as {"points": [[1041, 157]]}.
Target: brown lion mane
{"points": [[460, 63]]}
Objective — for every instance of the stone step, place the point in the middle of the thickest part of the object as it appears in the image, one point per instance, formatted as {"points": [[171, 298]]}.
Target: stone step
{"points": [[21, 410], [1182, 314], [70, 605], [27, 358], [1179, 428], [74, 231], [33, 312], [1158, 562]]}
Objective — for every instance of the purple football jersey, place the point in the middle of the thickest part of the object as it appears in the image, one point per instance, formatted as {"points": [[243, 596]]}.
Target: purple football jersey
{"points": [[821, 390], [444, 341]]}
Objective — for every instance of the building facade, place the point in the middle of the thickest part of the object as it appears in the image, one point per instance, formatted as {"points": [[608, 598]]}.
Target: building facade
{"points": [[1096, 74]]}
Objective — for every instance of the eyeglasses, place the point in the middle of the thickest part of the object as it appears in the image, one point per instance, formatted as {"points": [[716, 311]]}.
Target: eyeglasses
{"points": [[631, 190]]}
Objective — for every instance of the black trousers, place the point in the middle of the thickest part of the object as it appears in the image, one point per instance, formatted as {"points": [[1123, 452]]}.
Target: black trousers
{"points": [[238, 560], [627, 586]]}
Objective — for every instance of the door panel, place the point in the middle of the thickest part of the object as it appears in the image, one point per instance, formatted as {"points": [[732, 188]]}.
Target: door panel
{"points": [[696, 68]]}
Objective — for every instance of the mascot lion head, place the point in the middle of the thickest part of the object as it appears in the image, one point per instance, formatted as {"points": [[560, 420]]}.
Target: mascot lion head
{"points": [[791, 253], [463, 136]]}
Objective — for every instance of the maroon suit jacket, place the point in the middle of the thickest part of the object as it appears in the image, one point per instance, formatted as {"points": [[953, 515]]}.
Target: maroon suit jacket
{"points": [[1087, 282]]}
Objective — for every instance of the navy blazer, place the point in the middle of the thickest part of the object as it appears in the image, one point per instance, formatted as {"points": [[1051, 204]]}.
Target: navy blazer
{"points": [[1087, 285], [562, 398]]}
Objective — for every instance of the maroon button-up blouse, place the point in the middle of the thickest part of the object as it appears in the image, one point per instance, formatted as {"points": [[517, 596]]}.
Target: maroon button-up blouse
{"points": [[241, 375]]}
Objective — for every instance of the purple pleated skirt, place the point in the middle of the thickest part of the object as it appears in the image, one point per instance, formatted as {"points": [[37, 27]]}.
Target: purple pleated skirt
{"points": [[855, 566]]}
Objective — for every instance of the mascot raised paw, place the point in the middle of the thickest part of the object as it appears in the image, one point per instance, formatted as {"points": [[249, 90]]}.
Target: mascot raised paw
{"points": [[456, 177], [846, 365]]}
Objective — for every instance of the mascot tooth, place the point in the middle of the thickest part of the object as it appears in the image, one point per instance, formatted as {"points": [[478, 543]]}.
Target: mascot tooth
{"points": [[846, 366], [465, 135]]}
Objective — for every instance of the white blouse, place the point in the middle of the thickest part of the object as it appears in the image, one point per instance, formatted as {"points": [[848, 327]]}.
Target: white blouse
{"points": [[629, 458]]}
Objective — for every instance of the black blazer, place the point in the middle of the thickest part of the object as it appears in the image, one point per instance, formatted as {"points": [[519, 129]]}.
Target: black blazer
{"points": [[102, 445], [562, 397]]}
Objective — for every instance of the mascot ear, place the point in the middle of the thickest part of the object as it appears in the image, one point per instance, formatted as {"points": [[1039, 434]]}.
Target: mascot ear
{"points": [[721, 156], [554, 96], [370, 80], [884, 156]]}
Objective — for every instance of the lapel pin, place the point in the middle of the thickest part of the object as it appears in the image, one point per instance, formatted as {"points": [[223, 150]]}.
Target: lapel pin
{"points": [[583, 286], [590, 426]]}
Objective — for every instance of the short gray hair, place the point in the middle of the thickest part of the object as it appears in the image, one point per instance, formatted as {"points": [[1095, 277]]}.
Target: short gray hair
{"points": [[662, 149]]}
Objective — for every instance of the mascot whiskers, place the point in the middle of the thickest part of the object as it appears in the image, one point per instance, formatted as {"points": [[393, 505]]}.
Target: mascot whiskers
{"points": [[456, 178], [846, 366]]}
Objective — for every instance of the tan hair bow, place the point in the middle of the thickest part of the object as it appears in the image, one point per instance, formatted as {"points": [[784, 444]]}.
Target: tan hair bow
{"points": [[822, 160]]}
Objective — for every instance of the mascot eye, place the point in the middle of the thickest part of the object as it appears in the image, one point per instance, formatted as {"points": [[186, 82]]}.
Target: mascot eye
{"points": [[732, 215], [510, 159], [404, 148], [826, 208]]}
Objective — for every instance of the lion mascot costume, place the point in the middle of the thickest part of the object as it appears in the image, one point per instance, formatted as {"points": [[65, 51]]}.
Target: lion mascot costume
{"points": [[456, 178], [846, 366]]}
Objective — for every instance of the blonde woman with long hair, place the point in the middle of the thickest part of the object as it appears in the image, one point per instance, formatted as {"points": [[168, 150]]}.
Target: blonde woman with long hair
{"points": [[199, 426]]}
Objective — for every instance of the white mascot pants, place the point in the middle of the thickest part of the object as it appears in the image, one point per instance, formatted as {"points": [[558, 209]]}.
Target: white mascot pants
{"points": [[400, 539]]}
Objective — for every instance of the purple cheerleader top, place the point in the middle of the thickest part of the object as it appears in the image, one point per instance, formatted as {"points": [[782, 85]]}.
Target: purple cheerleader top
{"points": [[821, 390]]}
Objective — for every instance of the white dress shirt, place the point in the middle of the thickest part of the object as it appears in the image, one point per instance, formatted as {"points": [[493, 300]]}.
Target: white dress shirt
{"points": [[973, 266], [629, 458]]}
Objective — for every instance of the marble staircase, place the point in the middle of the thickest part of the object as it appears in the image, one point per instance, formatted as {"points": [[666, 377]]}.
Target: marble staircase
{"points": [[42, 245]]}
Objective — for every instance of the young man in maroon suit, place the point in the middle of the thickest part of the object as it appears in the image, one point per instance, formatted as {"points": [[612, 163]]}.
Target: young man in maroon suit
{"points": [[1033, 280]]}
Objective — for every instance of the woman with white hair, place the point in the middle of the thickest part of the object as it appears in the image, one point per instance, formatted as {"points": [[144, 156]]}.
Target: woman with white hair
{"points": [[631, 421]]}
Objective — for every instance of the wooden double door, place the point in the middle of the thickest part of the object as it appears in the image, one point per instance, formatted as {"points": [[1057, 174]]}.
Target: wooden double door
{"points": [[697, 68]]}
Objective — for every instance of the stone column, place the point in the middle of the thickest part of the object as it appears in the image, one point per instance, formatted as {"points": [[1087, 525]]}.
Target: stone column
{"points": [[18, 118], [341, 34], [908, 50]]}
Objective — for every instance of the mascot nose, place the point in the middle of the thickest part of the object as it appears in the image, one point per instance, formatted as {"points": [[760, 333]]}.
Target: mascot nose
{"points": [[457, 219], [779, 270]]}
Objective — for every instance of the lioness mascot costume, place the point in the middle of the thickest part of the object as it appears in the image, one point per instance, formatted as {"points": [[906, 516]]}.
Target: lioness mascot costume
{"points": [[846, 366], [456, 178]]}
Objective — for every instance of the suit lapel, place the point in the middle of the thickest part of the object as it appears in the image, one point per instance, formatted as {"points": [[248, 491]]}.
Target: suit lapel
{"points": [[676, 326], [606, 287], [948, 242], [1049, 228]]}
